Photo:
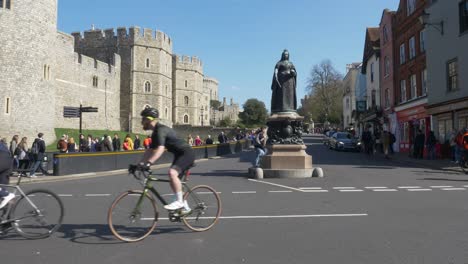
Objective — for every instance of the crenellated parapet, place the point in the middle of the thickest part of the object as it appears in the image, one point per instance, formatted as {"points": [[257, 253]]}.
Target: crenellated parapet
{"points": [[124, 37], [210, 80], [187, 63], [98, 66]]}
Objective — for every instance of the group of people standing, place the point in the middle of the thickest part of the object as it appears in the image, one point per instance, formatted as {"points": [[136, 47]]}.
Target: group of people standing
{"points": [[67, 144], [383, 140]]}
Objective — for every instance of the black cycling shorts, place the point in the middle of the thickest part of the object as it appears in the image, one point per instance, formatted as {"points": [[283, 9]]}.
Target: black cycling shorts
{"points": [[183, 161]]}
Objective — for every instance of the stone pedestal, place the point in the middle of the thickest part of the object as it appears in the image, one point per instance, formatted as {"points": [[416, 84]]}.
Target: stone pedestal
{"points": [[287, 161], [285, 128]]}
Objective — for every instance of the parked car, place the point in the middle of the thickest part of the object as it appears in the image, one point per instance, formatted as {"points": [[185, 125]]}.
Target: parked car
{"points": [[326, 139], [344, 141]]}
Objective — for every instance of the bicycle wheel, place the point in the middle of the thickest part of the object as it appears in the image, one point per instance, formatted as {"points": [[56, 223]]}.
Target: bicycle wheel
{"points": [[131, 220], [38, 214], [205, 206]]}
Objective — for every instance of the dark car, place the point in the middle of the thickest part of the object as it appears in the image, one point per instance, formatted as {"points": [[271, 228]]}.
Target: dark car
{"points": [[344, 141], [328, 135]]}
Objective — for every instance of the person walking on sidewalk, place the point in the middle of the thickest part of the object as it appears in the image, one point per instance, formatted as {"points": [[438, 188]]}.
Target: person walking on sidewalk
{"points": [[430, 143], [385, 137], [453, 145], [367, 140], [419, 145], [37, 155]]}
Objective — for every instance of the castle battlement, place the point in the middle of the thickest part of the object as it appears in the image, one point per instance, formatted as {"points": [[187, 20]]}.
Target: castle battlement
{"points": [[98, 66], [184, 62], [125, 36], [210, 80]]}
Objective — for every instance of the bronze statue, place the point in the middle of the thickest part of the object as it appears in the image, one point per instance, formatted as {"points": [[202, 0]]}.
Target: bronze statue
{"points": [[284, 86]]}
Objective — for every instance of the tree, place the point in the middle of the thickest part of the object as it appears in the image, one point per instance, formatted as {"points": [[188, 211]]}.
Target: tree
{"points": [[254, 114], [215, 104], [325, 90], [226, 122]]}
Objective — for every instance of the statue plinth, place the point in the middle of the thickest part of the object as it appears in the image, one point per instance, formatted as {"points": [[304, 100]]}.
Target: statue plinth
{"points": [[287, 161], [285, 128]]}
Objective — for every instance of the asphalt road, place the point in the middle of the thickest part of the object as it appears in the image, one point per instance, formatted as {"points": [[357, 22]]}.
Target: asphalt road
{"points": [[365, 210]]}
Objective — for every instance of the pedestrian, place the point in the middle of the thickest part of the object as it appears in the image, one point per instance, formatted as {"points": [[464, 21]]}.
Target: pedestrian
{"points": [[367, 140], [385, 137], [97, 145], [62, 144], [419, 145], [392, 141], [222, 138], [136, 142], [107, 144], [37, 155], [190, 140], [83, 143], [198, 141], [430, 144], [453, 145], [209, 140], [147, 142], [71, 146], [6, 162], [13, 146], [260, 143], [128, 143], [116, 143], [22, 149]]}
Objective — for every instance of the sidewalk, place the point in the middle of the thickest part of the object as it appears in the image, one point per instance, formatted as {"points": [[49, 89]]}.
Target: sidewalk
{"points": [[438, 164]]}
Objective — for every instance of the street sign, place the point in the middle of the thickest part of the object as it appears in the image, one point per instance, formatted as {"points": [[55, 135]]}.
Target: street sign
{"points": [[71, 112], [89, 109]]}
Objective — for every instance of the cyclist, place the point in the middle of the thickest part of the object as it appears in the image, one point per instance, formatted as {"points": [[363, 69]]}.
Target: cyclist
{"points": [[6, 163], [165, 137], [464, 146]]}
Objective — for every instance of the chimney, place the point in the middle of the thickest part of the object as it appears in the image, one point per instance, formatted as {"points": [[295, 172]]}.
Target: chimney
{"points": [[232, 101], [224, 100]]}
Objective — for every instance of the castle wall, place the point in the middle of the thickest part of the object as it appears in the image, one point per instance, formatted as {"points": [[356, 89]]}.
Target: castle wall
{"points": [[74, 85], [27, 37]]}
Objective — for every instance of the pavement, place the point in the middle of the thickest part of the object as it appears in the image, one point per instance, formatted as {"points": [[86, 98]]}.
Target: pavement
{"points": [[365, 210]]}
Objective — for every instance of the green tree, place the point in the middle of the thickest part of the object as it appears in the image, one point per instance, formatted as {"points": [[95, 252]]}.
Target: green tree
{"points": [[325, 94], [254, 114], [226, 122], [215, 104]]}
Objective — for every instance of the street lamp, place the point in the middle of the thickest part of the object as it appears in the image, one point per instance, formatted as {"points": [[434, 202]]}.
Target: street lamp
{"points": [[424, 20]]}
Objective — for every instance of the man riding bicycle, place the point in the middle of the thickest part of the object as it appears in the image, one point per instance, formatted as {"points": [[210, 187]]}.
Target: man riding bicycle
{"points": [[163, 138]]}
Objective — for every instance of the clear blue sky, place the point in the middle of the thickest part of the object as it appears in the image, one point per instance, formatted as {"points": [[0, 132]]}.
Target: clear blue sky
{"points": [[240, 41]]}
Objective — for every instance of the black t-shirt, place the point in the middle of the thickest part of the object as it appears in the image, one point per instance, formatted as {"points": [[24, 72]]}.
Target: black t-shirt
{"points": [[166, 136]]}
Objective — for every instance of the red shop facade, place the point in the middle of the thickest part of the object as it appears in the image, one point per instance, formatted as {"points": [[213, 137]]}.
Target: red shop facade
{"points": [[410, 121]]}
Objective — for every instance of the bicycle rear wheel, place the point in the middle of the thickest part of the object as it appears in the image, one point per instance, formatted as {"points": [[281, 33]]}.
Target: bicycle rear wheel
{"points": [[132, 216], [38, 214], [205, 206]]}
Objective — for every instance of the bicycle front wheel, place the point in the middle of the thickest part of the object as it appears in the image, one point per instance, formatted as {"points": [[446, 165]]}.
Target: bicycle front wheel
{"points": [[205, 206], [38, 214], [132, 216]]}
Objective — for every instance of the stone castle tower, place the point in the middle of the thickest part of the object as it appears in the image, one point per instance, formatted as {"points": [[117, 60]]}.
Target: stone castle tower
{"points": [[27, 65]]}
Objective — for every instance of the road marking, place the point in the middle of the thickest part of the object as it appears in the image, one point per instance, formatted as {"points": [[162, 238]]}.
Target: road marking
{"points": [[375, 188], [269, 216], [65, 195], [349, 190], [454, 189], [207, 192], [441, 186], [310, 188], [343, 188], [385, 190], [409, 187], [97, 195], [278, 185], [315, 191], [280, 191], [419, 190], [245, 192]]}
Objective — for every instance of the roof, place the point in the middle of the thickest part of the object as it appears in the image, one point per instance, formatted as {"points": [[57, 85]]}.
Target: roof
{"points": [[371, 46]]}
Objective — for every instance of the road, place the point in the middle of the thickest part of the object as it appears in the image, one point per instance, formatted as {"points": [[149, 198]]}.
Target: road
{"points": [[365, 210]]}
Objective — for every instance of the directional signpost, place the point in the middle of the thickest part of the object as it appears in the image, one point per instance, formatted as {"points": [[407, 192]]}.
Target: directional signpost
{"points": [[76, 112]]}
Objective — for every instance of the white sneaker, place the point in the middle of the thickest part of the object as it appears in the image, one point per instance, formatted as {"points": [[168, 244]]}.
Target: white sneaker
{"points": [[174, 206], [6, 200], [186, 208]]}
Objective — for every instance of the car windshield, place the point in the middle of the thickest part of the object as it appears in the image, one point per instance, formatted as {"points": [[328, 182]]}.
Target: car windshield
{"points": [[343, 135]]}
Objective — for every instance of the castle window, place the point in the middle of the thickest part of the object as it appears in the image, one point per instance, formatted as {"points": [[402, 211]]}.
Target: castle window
{"points": [[147, 87], [147, 63], [1, 3], [8, 4], [185, 119], [7, 105], [95, 81], [186, 83], [186, 100], [165, 113], [46, 72], [167, 90]]}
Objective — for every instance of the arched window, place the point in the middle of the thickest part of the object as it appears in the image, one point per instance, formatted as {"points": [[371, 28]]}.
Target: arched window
{"points": [[147, 63], [95, 81], [185, 119], [147, 87], [186, 100]]}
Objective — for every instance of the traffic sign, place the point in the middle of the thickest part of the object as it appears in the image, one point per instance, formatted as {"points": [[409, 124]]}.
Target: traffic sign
{"points": [[71, 112]]}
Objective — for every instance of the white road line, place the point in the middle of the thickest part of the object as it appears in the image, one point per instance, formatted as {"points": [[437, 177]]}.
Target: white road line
{"points": [[310, 188], [97, 195], [65, 195], [207, 192], [280, 191], [454, 189], [348, 190], [375, 188], [385, 190], [466, 186], [244, 192], [271, 216], [278, 185], [408, 187], [315, 191], [419, 190], [343, 188], [441, 186]]}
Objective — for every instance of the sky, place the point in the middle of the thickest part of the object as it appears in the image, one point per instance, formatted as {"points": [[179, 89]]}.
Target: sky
{"points": [[240, 41]]}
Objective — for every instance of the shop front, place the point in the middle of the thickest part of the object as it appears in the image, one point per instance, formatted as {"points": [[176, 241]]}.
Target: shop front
{"points": [[410, 120]]}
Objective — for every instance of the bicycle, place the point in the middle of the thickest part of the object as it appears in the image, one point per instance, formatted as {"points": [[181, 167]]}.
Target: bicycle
{"points": [[133, 215], [34, 215]]}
